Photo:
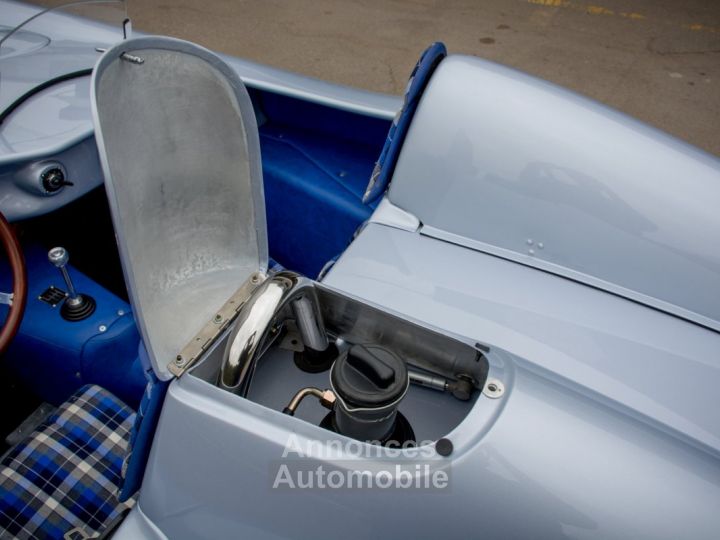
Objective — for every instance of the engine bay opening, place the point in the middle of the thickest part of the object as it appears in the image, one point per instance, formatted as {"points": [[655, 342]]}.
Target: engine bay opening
{"points": [[346, 366]]}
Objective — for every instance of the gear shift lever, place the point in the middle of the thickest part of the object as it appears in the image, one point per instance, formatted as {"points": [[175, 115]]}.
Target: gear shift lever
{"points": [[76, 306]]}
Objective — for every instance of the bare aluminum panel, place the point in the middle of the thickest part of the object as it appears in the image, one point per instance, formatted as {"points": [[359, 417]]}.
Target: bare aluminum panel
{"points": [[178, 142]]}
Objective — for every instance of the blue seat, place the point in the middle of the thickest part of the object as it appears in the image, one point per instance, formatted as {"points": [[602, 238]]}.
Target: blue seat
{"points": [[62, 481]]}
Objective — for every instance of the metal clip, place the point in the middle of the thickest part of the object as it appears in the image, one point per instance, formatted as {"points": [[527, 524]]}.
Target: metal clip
{"points": [[132, 58]]}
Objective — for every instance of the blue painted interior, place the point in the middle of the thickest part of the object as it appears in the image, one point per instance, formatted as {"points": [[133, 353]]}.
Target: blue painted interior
{"points": [[55, 357], [316, 164]]}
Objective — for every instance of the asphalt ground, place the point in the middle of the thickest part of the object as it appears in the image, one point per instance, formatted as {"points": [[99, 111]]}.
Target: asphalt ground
{"points": [[657, 60]]}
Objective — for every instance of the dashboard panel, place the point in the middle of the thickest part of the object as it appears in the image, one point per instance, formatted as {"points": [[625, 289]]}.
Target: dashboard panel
{"points": [[48, 156]]}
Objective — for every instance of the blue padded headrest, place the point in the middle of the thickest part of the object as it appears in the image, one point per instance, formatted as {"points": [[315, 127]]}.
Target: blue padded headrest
{"points": [[419, 78]]}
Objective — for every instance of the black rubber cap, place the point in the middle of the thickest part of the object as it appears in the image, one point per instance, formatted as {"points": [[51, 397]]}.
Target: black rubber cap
{"points": [[369, 376], [312, 361], [444, 447]]}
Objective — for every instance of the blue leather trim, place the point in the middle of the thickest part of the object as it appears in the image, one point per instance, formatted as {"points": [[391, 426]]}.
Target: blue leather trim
{"points": [[419, 79]]}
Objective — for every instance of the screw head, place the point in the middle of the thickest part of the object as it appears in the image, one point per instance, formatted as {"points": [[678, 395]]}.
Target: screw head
{"points": [[102, 328], [179, 360]]}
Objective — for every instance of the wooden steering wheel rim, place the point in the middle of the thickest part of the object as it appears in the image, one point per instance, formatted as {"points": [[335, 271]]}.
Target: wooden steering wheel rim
{"points": [[19, 280]]}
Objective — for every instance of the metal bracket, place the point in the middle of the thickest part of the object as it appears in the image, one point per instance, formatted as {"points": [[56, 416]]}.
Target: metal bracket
{"points": [[53, 296], [213, 328], [292, 341]]}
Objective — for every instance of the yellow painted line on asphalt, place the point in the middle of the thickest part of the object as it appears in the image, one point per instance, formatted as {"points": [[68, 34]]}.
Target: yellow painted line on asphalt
{"points": [[697, 27], [601, 10], [632, 15], [592, 9], [550, 3]]}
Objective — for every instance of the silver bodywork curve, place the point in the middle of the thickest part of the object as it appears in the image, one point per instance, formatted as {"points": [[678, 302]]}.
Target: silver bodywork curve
{"points": [[504, 163], [644, 362], [607, 427]]}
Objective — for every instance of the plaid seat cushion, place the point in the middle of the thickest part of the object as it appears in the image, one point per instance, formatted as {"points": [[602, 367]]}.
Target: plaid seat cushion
{"points": [[63, 479]]}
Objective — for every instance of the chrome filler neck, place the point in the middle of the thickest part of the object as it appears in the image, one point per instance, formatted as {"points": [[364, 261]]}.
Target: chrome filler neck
{"points": [[258, 318]]}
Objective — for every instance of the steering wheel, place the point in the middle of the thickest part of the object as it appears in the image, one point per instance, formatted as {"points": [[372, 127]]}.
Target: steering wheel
{"points": [[18, 298]]}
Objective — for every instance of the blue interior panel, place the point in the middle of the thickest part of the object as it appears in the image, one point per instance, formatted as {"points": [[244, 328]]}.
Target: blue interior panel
{"points": [[55, 357], [316, 165]]}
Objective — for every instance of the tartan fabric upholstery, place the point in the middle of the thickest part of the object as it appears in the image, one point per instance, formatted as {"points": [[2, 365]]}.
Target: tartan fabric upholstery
{"points": [[65, 475]]}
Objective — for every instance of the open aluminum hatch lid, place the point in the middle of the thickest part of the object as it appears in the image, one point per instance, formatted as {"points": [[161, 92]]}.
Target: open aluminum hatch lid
{"points": [[178, 143]]}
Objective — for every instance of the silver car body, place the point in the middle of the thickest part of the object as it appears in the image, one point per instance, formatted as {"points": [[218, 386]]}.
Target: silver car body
{"points": [[575, 244]]}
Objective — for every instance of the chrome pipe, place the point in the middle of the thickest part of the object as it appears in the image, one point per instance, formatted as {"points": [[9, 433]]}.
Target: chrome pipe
{"points": [[255, 322]]}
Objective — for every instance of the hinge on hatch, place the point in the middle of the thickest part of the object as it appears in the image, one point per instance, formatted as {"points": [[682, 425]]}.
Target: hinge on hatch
{"points": [[215, 326]]}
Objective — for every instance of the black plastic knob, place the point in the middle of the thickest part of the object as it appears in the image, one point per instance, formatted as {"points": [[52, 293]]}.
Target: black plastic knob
{"points": [[53, 180], [369, 376]]}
